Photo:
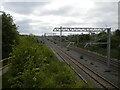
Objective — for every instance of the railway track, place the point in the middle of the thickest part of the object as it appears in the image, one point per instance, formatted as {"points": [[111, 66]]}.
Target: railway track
{"points": [[114, 64], [56, 51], [95, 56], [96, 77]]}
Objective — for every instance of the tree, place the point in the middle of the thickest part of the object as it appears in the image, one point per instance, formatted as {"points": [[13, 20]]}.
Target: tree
{"points": [[115, 39], [117, 33], [9, 34]]}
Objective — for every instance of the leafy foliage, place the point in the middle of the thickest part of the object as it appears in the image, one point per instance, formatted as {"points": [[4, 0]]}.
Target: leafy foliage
{"points": [[81, 38], [115, 39], [35, 66], [10, 35]]}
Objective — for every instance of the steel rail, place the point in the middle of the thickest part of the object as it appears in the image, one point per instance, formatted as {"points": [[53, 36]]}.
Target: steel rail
{"points": [[98, 57], [99, 79], [95, 76], [68, 64]]}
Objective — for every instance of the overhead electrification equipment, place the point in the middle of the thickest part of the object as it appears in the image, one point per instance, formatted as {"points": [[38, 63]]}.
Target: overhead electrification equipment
{"points": [[90, 30]]}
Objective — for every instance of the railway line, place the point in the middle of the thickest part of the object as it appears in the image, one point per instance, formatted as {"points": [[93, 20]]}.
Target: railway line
{"points": [[61, 57], [81, 78], [114, 64], [95, 76], [57, 51]]}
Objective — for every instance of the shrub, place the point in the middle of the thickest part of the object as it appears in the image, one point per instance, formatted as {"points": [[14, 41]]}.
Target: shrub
{"points": [[35, 66]]}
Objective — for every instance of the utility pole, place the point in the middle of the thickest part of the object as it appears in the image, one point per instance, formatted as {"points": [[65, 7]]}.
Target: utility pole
{"points": [[108, 46], [60, 35], [77, 39]]}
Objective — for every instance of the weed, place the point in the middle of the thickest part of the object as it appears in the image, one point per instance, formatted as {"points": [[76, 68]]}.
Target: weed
{"points": [[96, 66], [68, 50], [81, 57], [91, 63]]}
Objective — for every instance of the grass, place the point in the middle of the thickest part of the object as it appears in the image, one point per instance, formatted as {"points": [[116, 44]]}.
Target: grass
{"points": [[102, 51]]}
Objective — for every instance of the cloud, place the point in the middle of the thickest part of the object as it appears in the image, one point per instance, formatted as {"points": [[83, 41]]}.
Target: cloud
{"points": [[42, 17], [119, 15], [72, 23], [22, 7], [103, 9], [104, 13], [23, 26], [59, 12]]}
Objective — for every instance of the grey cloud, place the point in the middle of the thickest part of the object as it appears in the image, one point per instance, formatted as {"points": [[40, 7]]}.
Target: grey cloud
{"points": [[119, 15], [24, 26], [61, 11], [72, 23], [40, 30], [105, 13], [45, 29], [22, 7], [103, 9]]}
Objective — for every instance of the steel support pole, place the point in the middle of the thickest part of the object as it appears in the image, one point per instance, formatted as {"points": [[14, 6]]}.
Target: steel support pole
{"points": [[45, 35], [60, 35], [77, 39], [108, 46]]}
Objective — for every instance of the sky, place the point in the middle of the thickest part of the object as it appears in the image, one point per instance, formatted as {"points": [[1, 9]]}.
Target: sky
{"points": [[42, 16]]}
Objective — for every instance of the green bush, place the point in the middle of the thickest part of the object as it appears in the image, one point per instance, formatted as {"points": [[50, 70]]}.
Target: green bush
{"points": [[35, 66], [10, 36]]}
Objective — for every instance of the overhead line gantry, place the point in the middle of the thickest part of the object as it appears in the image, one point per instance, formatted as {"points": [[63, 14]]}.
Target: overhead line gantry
{"points": [[90, 30]]}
